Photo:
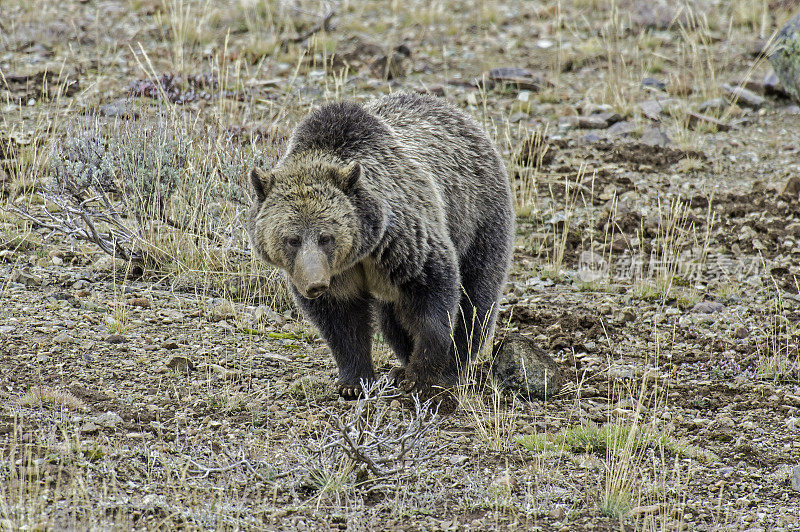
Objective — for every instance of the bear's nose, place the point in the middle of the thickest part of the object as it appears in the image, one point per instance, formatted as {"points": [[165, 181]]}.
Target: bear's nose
{"points": [[315, 290]]}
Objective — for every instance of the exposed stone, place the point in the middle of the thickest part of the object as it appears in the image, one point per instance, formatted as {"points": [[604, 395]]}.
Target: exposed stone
{"points": [[122, 108], [696, 119], [521, 78], [791, 187], [116, 339], [621, 129], [180, 363], [714, 104], [708, 307], [795, 480], [655, 136], [785, 59], [743, 96], [521, 366]]}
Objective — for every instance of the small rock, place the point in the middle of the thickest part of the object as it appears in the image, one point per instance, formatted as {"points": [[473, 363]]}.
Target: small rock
{"points": [[179, 363], [63, 338], [791, 187], [108, 419], [25, 277], [785, 59], [170, 344], [456, 459], [653, 109], [741, 332], [265, 315], [107, 264], [645, 510], [558, 513], [590, 138], [796, 478], [708, 307], [89, 428], [521, 78], [621, 129], [696, 119], [593, 122], [714, 104], [224, 310], [141, 302], [772, 85], [505, 482], [224, 372], [653, 83], [522, 367], [116, 339], [626, 316], [743, 96], [655, 136], [122, 108]]}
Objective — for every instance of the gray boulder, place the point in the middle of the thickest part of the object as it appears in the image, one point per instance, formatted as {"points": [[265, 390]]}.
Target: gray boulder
{"points": [[522, 367], [786, 57]]}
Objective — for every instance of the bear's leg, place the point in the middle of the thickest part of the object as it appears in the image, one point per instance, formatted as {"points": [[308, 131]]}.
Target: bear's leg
{"points": [[483, 274], [346, 325], [427, 309], [396, 335]]}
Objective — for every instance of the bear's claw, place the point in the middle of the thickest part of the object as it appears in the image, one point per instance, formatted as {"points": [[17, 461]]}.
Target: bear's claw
{"points": [[349, 391]]}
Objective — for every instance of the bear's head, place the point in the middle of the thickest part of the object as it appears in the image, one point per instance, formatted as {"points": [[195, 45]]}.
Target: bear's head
{"points": [[313, 219]]}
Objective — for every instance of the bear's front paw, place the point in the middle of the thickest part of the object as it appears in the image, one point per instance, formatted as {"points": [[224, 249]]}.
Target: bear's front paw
{"points": [[349, 391], [397, 376], [416, 379]]}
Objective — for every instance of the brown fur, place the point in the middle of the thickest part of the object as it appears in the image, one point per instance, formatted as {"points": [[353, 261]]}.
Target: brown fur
{"points": [[399, 212]]}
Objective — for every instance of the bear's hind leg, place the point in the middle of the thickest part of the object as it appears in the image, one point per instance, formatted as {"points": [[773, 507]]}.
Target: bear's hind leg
{"points": [[346, 325], [483, 274]]}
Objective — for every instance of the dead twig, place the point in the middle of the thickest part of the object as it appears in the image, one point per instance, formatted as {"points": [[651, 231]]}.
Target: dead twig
{"points": [[382, 440]]}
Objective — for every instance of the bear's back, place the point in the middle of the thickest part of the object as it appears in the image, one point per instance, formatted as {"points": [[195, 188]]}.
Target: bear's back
{"points": [[466, 169]]}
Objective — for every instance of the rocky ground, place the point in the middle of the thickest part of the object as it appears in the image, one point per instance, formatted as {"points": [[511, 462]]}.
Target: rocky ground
{"points": [[657, 256]]}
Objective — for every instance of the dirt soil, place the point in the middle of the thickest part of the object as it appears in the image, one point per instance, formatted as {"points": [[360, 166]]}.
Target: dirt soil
{"points": [[657, 262]]}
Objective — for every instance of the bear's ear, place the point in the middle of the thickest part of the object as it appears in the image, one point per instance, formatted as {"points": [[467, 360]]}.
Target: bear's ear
{"points": [[348, 176], [262, 182]]}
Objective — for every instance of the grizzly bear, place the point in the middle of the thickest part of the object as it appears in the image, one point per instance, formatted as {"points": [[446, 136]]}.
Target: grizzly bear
{"points": [[396, 213]]}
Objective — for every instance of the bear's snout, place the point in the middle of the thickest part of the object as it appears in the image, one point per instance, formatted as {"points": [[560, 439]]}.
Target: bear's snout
{"points": [[312, 275]]}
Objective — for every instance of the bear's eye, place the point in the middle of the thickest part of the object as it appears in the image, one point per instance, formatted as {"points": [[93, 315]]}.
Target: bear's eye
{"points": [[293, 241], [325, 240]]}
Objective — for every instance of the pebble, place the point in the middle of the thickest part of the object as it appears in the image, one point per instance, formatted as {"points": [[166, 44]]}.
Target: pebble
{"points": [[621, 129], [696, 119], [63, 338], [141, 302], [743, 96], [180, 363], [795, 480], [708, 307], [504, 481], [116, 339], [108, 419], [655, 136], [714, 104], [121, 108]]}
